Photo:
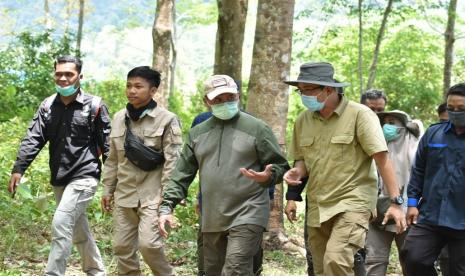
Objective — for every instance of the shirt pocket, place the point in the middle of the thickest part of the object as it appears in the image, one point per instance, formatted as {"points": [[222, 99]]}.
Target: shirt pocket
{"points": [[80, 129], [117, 136], [153, 138], [308, 150], [341, 147]]}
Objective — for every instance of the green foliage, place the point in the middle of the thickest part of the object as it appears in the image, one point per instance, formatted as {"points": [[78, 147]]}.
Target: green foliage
{"points": [[112, 92], [196, 12], [26, 67]]}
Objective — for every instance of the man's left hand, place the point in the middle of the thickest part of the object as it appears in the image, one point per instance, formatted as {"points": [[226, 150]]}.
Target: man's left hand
{"points": [[396, 213], [260, 177]]}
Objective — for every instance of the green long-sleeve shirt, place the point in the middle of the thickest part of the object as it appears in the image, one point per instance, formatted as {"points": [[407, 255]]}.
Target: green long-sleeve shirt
{"points": [[218, 149]]}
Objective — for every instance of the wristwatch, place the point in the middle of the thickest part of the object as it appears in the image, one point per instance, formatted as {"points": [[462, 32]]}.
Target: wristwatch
{"points": [[399, 200]]}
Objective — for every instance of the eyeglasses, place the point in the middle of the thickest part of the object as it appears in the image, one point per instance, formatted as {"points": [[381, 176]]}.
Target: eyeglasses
{"points": [[308, 92], [455, 109]]}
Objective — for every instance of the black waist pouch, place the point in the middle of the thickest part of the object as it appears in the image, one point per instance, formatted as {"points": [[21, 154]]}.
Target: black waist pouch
{"points": [[139, 154]]}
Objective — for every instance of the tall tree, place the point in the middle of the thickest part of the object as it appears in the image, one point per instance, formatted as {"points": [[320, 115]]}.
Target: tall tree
{"points": [[80, 25], [379, 38], [268, 95], [449, 37], [360, 46], [230, 37], [48, 20], [162, 35]]}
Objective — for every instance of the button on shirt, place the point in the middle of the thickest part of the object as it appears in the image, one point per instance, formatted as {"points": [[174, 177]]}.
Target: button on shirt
{"points": [[73, 139], [438, 177], [338, 156]]}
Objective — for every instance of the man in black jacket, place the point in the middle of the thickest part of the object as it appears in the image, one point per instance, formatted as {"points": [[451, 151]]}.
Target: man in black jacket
{"points": [[76, 125]]}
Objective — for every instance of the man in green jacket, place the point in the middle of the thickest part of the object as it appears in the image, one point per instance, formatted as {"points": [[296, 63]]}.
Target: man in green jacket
{"points": [[237, 157]]}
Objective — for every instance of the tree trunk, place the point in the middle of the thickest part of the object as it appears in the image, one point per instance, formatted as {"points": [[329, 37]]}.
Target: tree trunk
{"points": [[67, 19], [230, 37], [268, 95], [161, 34], [374, 63], [174, 52], [80, 24], [48, 20], [449, 38], [360, 47]]}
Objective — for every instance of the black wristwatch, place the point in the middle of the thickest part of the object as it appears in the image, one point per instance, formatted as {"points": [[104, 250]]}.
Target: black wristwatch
{"points": [[399, 200]]}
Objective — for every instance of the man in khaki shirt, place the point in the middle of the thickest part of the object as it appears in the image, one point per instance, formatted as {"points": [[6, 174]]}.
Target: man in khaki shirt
{"points": [[136, 191], [334, 143]]}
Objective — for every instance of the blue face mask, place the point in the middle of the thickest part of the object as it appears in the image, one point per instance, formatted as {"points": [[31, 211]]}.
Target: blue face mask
{"points": [[67, 90], [390, 132], [457, 118], [225, 111], [312, 103]]}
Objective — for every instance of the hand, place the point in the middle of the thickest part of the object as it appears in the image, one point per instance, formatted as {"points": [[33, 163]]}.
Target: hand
{"points": [[291, 210], [292, 177], [396, 213], [412, 215], [183, 202], [14, 182], [258, 176], [106, 203], [163, 221]]}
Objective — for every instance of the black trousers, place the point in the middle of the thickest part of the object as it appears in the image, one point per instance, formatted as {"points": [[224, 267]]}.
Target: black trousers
{"points": [[423, 245]]}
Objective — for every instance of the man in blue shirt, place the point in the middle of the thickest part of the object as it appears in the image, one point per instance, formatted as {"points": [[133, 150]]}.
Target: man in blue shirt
{"points": [[436, 193]]}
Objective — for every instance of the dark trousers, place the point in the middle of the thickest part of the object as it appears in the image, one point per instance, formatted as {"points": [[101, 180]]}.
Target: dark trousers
{"points": [[231, 252], [423, 245], [257, 258]]}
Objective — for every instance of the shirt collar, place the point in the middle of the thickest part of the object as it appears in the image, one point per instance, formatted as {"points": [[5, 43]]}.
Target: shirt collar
{"points": [[80, 96], [448, 126], [339, 109]]}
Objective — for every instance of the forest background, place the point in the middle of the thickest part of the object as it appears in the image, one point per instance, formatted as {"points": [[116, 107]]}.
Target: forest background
{"points": [[411, 49]]}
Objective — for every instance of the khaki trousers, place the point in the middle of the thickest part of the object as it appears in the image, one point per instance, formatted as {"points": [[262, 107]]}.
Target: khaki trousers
{"points": [[70, 225], [335, 242], [231, 252], [137, 229]]}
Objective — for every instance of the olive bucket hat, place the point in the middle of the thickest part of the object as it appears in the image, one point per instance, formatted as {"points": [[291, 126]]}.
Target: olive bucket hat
{"points": [[320, 73]]}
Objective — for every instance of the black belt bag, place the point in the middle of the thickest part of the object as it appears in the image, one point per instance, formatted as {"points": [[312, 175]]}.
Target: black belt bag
{"points": [[139, 154]]}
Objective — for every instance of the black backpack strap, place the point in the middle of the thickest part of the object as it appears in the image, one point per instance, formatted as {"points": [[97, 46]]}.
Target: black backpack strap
{"points": [[95, 107]]}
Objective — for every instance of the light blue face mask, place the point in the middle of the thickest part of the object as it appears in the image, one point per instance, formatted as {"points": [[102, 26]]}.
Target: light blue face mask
{"points": [[225, 111], [312, 103], [390, 132], [67, 90]]}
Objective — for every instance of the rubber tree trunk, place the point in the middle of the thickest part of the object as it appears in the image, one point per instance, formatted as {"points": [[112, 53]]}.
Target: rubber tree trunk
{"points": [[162, 35], [268, 95], [449, 38], [379, 39], [80, 25], [230, 38], [360, 47], [48, 19]]}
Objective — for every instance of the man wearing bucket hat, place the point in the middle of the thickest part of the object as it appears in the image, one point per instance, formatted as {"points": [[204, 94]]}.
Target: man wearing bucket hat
{"points": [[334, 143], [238, 158], [402, 136]]}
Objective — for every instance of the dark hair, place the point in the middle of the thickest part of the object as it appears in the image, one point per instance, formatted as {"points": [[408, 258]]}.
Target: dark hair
{"points": [[373, 94], [442, 108], [147, 73], [70, 59], [458, 89]]}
